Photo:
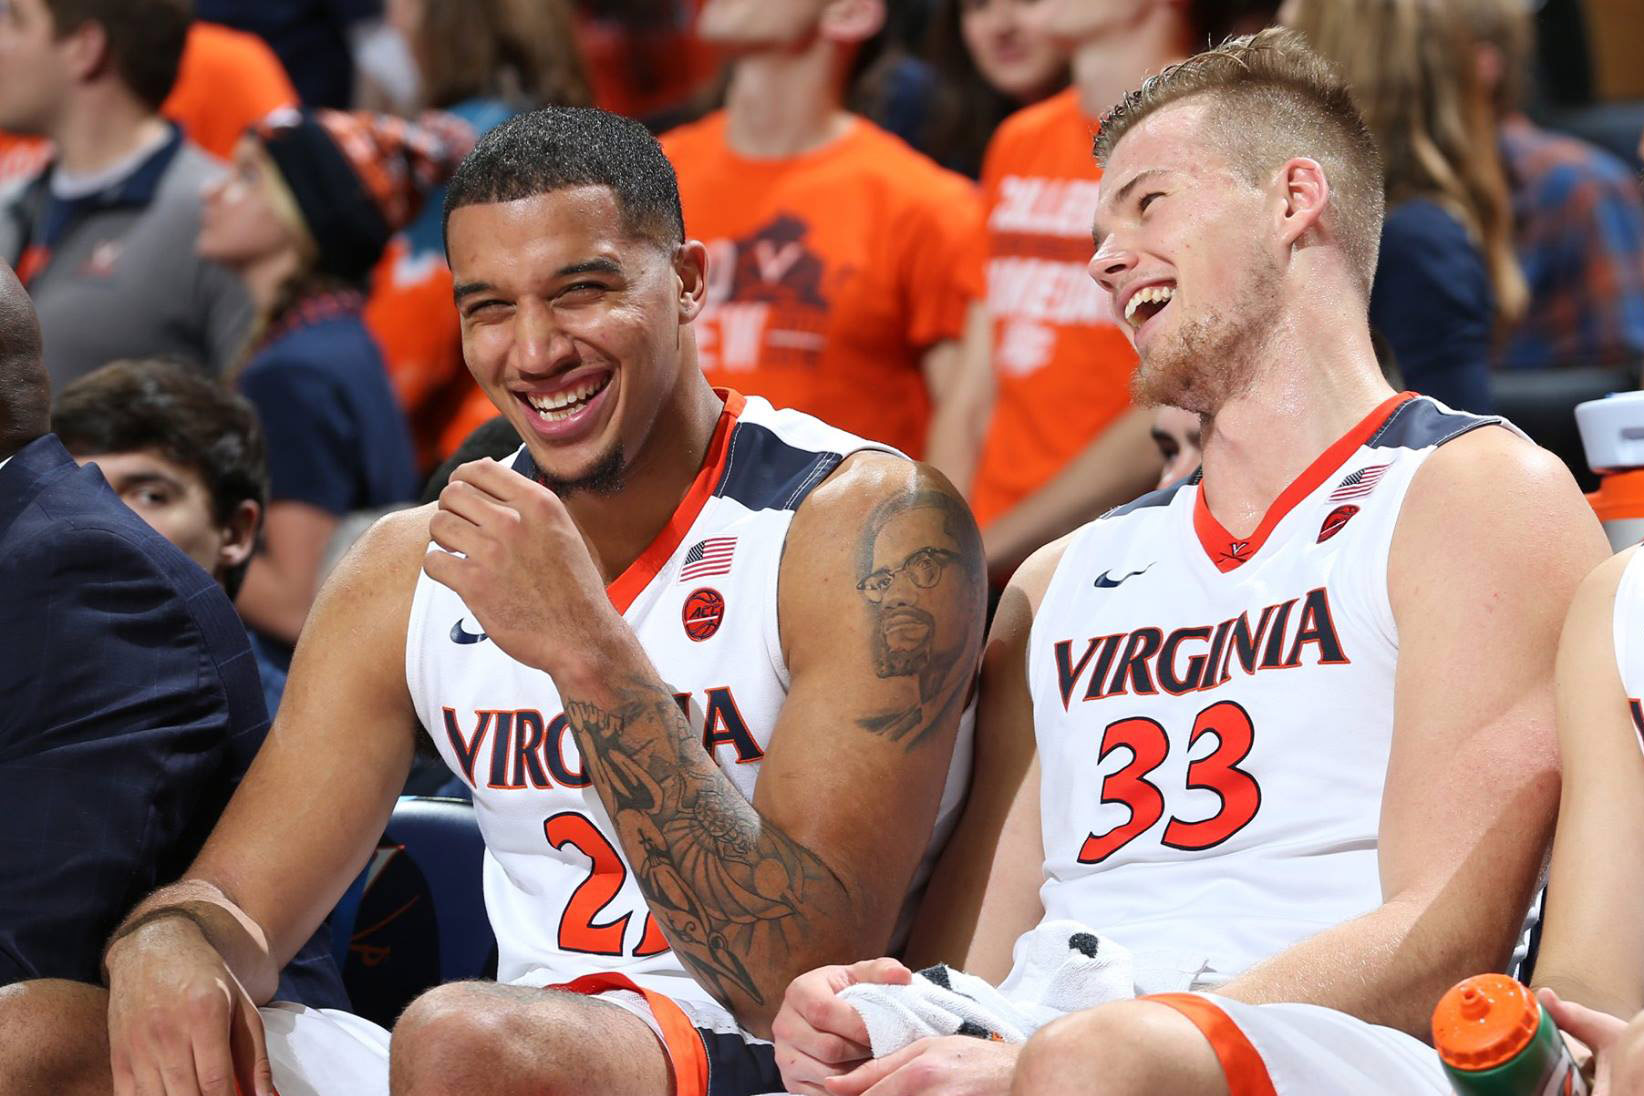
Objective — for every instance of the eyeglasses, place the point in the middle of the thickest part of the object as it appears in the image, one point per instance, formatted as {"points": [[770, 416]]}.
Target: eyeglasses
{"points": [[923, 568]]}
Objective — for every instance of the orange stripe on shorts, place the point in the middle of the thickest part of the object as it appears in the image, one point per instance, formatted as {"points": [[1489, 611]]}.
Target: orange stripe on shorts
{"points": [[679, 1037], [1242, 1065]]}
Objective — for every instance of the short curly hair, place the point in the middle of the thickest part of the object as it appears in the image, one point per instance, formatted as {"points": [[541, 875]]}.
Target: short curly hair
{"points": [[557, 148]]}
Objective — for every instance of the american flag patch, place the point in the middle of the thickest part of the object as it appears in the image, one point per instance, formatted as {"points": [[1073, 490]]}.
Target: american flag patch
{"points": [[1359, 484], [708, 557]]}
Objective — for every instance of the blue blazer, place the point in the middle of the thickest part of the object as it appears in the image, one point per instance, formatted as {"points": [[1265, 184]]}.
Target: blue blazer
{"points": [[130, 708]]}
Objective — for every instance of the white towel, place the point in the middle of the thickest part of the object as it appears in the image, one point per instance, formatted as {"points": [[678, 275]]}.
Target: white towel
{"points": [[1061, 967]]}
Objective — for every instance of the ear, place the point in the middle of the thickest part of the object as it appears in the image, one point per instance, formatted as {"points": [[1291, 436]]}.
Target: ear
{"points": [[85, 48], [691, 269], [1305, 194], [240, 535], [851, 21]]}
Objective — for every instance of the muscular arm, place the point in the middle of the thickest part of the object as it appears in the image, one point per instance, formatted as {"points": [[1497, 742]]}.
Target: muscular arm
{"points": [[984, 892], [310, 809], [1117, 465], [816, 868], [959, 378], [1472, 781], [1592, 949]]}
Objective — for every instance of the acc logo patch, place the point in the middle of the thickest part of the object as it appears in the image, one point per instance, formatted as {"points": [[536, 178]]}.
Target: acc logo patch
{"points": [[704, 612], [1338, 519]]}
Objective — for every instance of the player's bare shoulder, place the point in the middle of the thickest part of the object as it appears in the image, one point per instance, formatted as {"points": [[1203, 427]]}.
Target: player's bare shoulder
{"points": [[1493, 493], [883, 580], [366, 600]]}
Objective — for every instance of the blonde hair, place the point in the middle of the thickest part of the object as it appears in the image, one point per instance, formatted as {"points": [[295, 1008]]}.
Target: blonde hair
{"points": [[1287, 102], [1411, 67]]}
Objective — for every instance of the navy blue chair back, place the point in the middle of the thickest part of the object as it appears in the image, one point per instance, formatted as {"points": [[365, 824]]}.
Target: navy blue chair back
{"points": [[415, 917]]}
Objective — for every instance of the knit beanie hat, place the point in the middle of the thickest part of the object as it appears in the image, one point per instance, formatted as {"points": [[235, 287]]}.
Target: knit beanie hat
{"points": [[358, 178]]}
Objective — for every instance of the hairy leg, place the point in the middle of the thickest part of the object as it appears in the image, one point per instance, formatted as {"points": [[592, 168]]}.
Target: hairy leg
{"points": [[1127, 1048], [502, 1040], [54, 1039]]}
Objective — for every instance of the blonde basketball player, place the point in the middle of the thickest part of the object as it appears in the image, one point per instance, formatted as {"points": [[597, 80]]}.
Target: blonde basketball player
{"points": [[1294, 719], [703, 663]]}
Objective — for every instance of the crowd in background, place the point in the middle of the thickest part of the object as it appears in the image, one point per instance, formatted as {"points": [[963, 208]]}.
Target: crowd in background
{"points": [[897, 214], [228, 215]]}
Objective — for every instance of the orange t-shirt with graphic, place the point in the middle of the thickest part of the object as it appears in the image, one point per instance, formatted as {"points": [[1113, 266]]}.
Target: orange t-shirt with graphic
{"points": [[227, 81], [830, 273], [1061, 364]]}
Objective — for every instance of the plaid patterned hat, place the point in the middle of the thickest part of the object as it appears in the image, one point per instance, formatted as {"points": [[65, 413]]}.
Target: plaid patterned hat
{"points": [[358, 178]]}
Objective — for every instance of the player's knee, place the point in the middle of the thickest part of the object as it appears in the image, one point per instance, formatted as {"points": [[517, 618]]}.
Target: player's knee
{"points": [[465, 1037], [1126, 1048], [54, 1039]]}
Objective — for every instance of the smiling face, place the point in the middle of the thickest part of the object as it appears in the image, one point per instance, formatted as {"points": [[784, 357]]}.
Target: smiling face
{"points": [[571, 325], [1009, 49], [1187, 245]]}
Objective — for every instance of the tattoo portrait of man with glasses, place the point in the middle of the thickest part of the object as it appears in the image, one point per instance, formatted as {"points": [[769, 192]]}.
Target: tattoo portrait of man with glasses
{"points": [[917, 633]]}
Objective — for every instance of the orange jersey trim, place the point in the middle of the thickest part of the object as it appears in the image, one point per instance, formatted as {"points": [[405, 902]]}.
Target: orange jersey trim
{"points": [[1242, 1064], [1227, 551], [627, 586], [679, 1038]]}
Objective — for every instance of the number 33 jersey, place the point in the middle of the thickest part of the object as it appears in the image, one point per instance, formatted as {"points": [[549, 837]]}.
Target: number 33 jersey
{"points": [[559, 891], [1214, 714]]}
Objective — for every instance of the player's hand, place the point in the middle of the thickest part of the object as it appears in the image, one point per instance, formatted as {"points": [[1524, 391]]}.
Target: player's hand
{"points": [[1617, 1046], [524, 569], [954, 1065], [179, 1022], [819, 1036]]}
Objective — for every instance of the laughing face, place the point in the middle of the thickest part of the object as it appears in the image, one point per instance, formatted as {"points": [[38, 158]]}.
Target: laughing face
{"points": [[1183, 245], [571, 325]]}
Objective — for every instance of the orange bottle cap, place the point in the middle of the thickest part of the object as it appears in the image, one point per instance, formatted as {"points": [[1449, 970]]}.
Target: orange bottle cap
{"points": [[1483, 1021]]}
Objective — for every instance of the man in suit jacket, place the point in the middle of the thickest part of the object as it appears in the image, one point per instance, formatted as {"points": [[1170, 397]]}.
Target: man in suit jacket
{"points": [[129, 708]]}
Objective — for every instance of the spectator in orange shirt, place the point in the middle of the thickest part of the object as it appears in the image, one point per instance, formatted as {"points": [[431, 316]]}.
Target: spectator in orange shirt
{"points": [[1064, 443], [229, 81], [483, 63], [842, 264]]}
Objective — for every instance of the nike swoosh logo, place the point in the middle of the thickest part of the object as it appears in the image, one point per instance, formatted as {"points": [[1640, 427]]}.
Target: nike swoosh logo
{"points": [[458, 635], [1104, 582]]}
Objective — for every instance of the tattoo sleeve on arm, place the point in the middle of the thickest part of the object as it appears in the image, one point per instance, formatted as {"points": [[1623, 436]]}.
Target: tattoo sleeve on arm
{"points": [[745, 906], [922, 582], [725, 884]]}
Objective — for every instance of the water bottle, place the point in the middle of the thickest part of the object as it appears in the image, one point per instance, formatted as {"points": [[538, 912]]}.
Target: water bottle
{"points": [[1495, 1039]]}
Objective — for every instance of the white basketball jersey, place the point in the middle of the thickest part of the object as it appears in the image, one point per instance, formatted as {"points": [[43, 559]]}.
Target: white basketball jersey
{"points": [[1626, 619], [559, 891], [1214, 714]]}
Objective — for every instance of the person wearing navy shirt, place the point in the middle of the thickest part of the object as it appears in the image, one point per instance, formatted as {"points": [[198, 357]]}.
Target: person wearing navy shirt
{"points": [[129, 709]]}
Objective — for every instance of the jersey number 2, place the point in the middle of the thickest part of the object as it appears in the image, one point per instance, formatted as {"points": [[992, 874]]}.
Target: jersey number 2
{"points": [[1219, 772], [579, 926]]}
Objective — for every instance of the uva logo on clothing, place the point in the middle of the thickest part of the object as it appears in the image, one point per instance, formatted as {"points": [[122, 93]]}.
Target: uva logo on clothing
{"points": [[1336, 521], [100, 263], [703, 613], [461, 635]]}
